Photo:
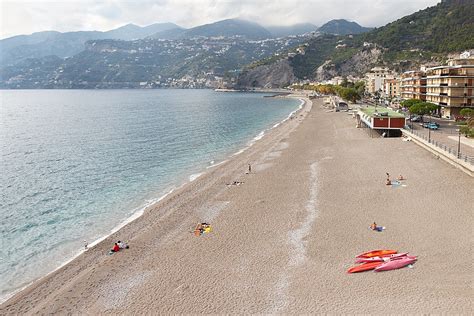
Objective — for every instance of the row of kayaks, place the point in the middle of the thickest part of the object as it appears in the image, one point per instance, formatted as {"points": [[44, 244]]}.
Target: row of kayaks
{"points": [[382, 260]]}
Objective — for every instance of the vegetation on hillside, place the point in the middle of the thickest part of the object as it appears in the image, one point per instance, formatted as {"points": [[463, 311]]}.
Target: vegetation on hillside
{"points": [[446, 27], [317, 52], [426, 35]]}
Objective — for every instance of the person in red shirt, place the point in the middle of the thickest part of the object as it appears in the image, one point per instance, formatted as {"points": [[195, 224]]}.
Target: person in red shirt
{"points": [[116, 248]]}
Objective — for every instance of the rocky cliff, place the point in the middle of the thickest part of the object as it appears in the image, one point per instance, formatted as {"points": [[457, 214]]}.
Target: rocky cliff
{"points": [[358, 64], [275, 75]]}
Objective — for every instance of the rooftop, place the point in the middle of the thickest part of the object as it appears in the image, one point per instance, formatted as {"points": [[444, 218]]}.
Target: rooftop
{"points": [[390, 113]]}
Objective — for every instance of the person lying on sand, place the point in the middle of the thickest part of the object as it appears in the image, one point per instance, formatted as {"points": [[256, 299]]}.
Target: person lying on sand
{"points": [[376, 228], [201, 228], [400, 177], [122, 245], [235, 183]]}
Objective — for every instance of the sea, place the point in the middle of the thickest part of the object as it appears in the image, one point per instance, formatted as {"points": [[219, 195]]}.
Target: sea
{"points": [[76, 165]]}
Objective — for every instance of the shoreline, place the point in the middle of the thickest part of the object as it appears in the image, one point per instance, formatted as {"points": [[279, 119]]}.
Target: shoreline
{"points": [[139, 211], [282, 241]]}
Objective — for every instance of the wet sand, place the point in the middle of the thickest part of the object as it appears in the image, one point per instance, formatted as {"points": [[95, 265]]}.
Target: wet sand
{"points": [[284, 238]]}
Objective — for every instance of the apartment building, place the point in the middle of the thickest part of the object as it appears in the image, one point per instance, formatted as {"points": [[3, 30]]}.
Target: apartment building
{"points": [[452, 86], [391, 88], [376, 77], [413, 85]]}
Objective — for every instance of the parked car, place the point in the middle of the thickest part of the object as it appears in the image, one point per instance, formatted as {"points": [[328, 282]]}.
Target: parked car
{"points": [[415, 118], [425, 124], [459, 118], [433, 125]]}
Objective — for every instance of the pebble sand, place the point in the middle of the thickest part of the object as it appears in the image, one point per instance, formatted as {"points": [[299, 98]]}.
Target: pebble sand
{"points": [[284, 238]]}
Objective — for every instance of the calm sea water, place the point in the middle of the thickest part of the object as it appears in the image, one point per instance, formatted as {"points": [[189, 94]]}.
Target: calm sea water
{"points": [[75, 164]]}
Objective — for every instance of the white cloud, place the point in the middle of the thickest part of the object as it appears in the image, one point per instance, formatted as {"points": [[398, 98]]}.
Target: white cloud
{"points": [[28, 16]]}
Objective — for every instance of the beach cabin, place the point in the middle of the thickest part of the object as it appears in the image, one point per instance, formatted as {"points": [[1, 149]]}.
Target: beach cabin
{"points": [[381, 121]]}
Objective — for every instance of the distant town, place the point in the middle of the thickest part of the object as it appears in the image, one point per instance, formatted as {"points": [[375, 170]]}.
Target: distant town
{"points": [[449, 86]]}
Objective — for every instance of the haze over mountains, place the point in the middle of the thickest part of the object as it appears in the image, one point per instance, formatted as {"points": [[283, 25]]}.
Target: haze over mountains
{"points": [[425, 37], [36, 45], [233, 51]]}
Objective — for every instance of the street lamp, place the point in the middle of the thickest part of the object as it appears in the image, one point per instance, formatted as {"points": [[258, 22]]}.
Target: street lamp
{"points": [[459, 144], [429, 130]]}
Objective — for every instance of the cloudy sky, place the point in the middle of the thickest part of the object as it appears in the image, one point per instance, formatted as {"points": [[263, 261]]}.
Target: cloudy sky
{"points": [[28, 16]]}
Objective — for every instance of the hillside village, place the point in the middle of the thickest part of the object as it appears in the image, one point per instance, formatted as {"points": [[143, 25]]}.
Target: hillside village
{"points": [[449, 86], [200, 62]]}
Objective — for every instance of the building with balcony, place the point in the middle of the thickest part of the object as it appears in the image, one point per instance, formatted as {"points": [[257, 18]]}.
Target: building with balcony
{"points": [[376, 77], [413, 85], [452, 86], [391, 88]]}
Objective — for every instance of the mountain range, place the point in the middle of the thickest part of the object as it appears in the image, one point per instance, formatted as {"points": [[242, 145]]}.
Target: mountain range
{"points": [[424, 37], [343, 27], [37, 45], [40, 44], [233, 51]]}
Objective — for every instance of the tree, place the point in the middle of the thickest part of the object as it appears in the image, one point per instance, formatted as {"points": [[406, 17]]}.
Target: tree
{"points": [[422, 108], [468, 129], [467, 112], [360, 87], [344, 82], [349, 94], [408, 103]]}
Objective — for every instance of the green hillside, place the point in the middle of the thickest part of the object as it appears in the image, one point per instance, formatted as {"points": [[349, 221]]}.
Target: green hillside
{"points": [[446, 27], [422, 36]]}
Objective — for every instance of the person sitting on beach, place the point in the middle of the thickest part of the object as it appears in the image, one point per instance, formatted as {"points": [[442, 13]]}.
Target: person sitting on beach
{"points": [[373, 226], [400, 177], [388, 182], [202, 228], [122, 245], [198, 230], [116, 248]]}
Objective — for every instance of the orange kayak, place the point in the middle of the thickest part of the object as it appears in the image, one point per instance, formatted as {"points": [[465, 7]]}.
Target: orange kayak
{"points": [[376, 253], [365, 267]]}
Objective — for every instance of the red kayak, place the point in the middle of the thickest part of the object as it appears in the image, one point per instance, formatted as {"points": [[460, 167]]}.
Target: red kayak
{"points": [[382, 258], [365, 267], [376, 253]]}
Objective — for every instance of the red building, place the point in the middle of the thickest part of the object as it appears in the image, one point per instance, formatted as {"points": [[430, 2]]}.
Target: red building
{"points": [[382, 120]]}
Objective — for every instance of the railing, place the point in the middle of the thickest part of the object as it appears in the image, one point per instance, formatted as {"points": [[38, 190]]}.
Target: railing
{"points": [[451, 150]]}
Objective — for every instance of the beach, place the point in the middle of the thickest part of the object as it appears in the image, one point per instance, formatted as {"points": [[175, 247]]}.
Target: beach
{"points": [[282, 240]]}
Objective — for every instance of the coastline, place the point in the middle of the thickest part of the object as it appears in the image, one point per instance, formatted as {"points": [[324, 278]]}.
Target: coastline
{"points": [[153, 203], [282, 240]]}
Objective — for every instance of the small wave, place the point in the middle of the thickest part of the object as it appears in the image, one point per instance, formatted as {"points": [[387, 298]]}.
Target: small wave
{"points": [[240, 151], [300, 106], [262, 133], [259, 136], [216, 164], [135, 214], [195, 176]]}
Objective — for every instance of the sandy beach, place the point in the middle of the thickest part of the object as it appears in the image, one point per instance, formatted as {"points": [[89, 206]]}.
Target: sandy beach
{"points": [[284, 238]]}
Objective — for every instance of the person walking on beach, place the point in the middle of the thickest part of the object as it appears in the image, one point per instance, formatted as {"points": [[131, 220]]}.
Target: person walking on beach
{"points": [[250, 168]]}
